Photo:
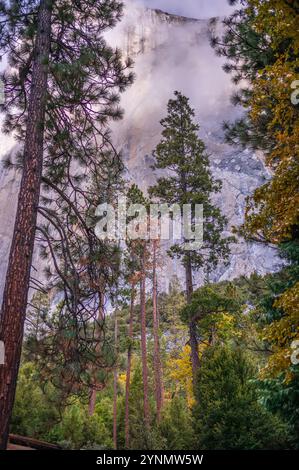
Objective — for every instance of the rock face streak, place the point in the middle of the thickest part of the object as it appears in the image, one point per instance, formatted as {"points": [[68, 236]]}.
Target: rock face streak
{"points": [[171, 53]]}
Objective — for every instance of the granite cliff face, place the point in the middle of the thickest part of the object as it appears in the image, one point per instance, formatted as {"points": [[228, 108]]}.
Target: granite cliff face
{"points": [[170, 53], [173, 53]]}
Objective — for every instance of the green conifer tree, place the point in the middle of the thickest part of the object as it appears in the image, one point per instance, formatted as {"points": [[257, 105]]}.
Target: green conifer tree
{"points": [[189, 181], [230, 415], [61, 89]]}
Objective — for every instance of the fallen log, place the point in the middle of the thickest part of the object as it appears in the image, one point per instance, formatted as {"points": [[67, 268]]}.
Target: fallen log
{"points": [[31, 443], [15, 447]]}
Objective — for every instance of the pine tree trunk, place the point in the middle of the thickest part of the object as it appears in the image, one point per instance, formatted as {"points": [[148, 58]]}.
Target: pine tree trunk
{"points": [[128, 374], [144, 348], [192, 325], [189, 292], [18, 273], [115, 385], [93, 391], [157, 356], [92, 402]]}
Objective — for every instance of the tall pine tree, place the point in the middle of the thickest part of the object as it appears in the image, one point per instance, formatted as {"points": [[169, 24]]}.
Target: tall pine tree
{"points": [[189, 181], [61, 88]]}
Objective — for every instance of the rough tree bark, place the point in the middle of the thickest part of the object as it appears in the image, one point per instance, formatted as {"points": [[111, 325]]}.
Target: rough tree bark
{"points": [[101, 317], [92, 402], [128, 374], [115, 377], [143, 346], [189, 291], [192, 324], [157, 355], [18, 273]]}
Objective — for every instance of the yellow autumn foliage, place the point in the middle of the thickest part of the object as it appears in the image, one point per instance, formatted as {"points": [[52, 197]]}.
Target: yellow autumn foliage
{"points": [[281, 333], [273, 211], [180, 372]]}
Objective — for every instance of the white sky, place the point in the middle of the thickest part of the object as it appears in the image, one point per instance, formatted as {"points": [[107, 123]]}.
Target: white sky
{"points": [[192, 8]]}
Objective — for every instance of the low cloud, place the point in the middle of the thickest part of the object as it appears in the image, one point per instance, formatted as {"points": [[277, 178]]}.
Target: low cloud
{"points": [[168, 56], [191, 8]]}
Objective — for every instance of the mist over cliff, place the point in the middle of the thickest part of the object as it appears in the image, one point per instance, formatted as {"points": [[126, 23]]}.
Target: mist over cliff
{"points": [[170, 53], [174, 53], [190, 8]]}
